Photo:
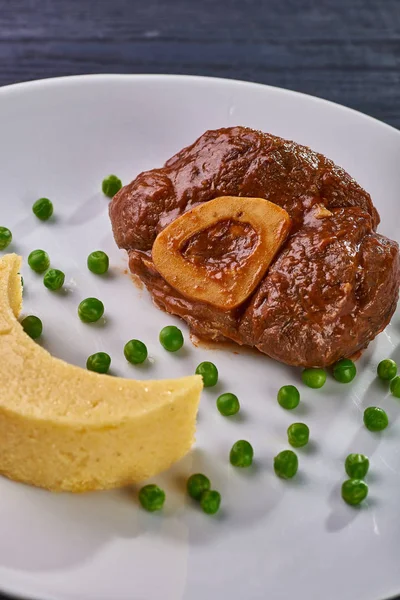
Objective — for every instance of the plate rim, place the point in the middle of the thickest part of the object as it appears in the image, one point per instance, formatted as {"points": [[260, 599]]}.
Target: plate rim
{"points": [[196, 79]]}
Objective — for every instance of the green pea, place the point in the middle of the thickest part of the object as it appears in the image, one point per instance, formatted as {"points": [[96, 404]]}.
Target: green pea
{"points": [[241, 454], [210, 502], [209, 372], [5, 238], [90, 310], [298, 435], [98, 262], [54, 279], [43, 209], [344, 370], [354, 491], [356, 466], [375, 419], [32, 326], [395, 387], [197, 484], [39, 261], [171, 338], [387, 369], [286, 464], [151, 497], [228, 404], [288, 397], [314, 378], [99, 362], [111, 185], [135, 352]]}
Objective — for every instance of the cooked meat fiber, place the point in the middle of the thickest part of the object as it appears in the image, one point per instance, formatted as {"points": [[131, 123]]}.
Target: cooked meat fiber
{"points": [[333, 285]]}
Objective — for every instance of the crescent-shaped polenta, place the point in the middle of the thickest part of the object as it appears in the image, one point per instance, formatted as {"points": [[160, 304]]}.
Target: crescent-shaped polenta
{"points": [[66, 428]]}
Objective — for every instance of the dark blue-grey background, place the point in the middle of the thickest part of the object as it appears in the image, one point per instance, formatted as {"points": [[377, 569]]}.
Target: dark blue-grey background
{"points": [[344, 50], [347, 51]]}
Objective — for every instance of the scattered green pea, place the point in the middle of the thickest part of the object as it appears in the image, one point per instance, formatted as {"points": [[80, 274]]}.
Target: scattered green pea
{"points": [[32, 326], [135, 352], [286, 464], [209, 372], [387, 369], [98, 262], [54, 279], [99, 362], [241, 454], [171, 338], [375, 419], [5, 238], [354, 491], [298, 435], [111, 185], [39, 261], [356, 466], [344, 370], [151, 497], [43, 209], [228, 404], [210, 501], [395, 387], [288, 397], [197, 484], [90, 310], [314, 378]]}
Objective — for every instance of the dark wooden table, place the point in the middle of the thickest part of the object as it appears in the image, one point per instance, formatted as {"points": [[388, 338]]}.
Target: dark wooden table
{"points": [[347, 51]]}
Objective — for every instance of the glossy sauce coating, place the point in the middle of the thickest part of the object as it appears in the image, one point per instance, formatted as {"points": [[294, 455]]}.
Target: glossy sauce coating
{"points": [[221, 248], [332, 286]]}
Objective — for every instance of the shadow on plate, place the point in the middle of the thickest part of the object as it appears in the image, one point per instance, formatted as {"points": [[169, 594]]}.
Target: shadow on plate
{"points": [[89, 210], [57, 531]]}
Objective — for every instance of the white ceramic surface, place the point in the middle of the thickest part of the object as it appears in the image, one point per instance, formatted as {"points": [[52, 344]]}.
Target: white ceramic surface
{"points": [[273, 539]]}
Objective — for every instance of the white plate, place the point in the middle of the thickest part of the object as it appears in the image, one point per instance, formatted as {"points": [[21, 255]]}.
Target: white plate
{"points": [[273, 539]]}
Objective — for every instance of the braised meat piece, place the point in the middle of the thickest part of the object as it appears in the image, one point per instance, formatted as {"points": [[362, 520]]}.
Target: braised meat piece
{"points": [[332, 286]]}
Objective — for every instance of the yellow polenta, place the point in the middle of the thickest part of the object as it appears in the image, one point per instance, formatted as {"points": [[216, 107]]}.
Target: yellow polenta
{"points": [[66, 428]]}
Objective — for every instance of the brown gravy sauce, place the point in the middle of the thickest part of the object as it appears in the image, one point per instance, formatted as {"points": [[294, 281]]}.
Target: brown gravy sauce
{"points": [[224, 247]]}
